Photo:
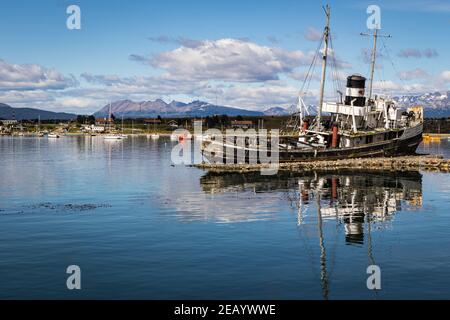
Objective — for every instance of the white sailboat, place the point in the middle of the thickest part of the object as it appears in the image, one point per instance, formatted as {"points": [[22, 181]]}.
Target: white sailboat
{"points": [[122, 134], [154, 135], [111, 136], [173, 137], [39, 133]]}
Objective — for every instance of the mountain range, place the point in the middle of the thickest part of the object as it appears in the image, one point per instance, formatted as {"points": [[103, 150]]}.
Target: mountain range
{"points": [[436, 105], [8, 112], [174, 109]]}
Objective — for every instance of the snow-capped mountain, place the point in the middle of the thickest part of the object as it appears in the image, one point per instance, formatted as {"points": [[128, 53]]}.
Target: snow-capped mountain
{"points": [[276, 111], [435, 104], [280, 111]]}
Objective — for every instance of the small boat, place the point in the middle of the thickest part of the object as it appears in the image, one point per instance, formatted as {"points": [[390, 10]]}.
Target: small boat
{"points": [[186, 136], [113, 137], [53, 135], [40, 134], [154, 135], [122, 134]]}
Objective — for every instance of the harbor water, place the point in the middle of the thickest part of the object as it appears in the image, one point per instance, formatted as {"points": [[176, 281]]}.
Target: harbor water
{"points": [[140, 227]]}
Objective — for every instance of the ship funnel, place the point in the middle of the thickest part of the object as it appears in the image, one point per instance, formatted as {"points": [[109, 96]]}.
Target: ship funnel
{"points": [[356, 85]]}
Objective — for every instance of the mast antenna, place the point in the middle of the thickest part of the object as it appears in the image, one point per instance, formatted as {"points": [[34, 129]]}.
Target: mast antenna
{"points": [[375, 36], [326, 35]]}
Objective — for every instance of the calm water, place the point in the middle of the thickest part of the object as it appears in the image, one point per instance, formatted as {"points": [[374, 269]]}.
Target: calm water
{"points": [[141, 228]]}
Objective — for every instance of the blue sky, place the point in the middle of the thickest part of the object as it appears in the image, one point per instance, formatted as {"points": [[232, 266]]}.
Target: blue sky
{"points": [[249, 54]]}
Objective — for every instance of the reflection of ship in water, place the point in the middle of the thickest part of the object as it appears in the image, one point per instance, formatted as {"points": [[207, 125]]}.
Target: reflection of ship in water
{"points": [[352, 198], [358, 200]]}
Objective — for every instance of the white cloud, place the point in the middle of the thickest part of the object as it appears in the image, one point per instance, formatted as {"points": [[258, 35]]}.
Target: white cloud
{"points": [[228, 60], [25, 97], [393, 88], [313, 34], [77, 102], [445, 76], [416, 53], [32, 77], [259, 97], [413, 74]]}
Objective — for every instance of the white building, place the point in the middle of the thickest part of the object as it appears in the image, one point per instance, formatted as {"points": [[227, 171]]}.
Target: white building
{"points": [[9, 122]]}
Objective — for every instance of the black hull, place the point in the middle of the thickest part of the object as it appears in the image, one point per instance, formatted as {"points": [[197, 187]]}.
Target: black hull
{"points": [[389, 148]]}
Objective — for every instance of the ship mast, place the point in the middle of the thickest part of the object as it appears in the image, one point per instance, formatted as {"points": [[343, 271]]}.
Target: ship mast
{"points": [[372, 67], [326, 35], [374, 57]]}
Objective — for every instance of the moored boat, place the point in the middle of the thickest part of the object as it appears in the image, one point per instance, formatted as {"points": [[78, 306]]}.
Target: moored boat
{"points": [[113, 137]]}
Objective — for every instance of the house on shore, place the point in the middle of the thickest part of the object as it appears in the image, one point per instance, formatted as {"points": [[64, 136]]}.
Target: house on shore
{"points": [[173, 124], [153, 122], [8, 123], [104, 121], [242, 124], [93, 128]]}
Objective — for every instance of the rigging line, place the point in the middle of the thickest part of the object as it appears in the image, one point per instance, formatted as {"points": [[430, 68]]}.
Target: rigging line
{"points": [[336, 78], [383, 76], [334, 61], [311, 76], [335, 70], [308, 78], [312, 65], [393, 65], [331, 73], [383, 87]]}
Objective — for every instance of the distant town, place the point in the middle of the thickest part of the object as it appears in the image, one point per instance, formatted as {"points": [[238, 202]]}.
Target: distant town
{"points": [[88, 124]]}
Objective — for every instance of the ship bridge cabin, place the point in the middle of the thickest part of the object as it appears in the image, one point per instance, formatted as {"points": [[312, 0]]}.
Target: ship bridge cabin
{"points": [[361, 121]]}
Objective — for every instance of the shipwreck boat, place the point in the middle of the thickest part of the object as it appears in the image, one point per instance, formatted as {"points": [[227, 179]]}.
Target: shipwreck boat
{"points": [[356, 125]]}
